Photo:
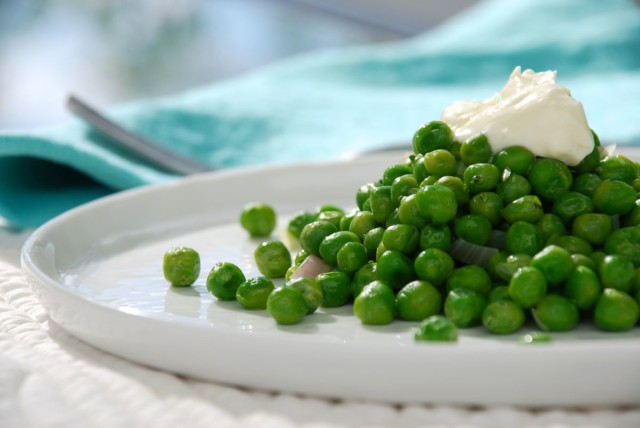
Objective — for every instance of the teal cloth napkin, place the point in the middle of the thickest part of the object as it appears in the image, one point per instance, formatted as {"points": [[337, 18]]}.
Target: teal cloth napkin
{"points": [[323, 105]]}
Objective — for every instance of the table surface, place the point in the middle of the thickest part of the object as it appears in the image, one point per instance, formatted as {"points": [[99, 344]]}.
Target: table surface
{"points": [[50, 379]]}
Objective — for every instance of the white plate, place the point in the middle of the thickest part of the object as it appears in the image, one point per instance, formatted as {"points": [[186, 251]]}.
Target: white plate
{"points": [[97, 271]]}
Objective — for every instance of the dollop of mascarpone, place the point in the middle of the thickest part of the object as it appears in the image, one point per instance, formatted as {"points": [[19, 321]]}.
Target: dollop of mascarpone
{"points": [[531, 111]]}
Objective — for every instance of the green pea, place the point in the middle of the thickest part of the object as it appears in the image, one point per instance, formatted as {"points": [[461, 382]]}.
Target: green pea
{"points": [[432, 236], [586, 184], [351, 257], [512, 187], [636, 184], [617, 272], [632, 218], [375, 305], [592, 227], [526, 208], [395, 269], [440, 162], [313, 234], [224, 279], [517, 159], [470, 277], [437, 203], [555, 313], [299, 221], [181, 266], [616, 311], [614, 197], [591, 161], [487, 204], [503, 317], [597, 257], [345, 221], [372, 240], [286, 305], [293, 269], [363, 194], [475, 150], [419, 170], [499, 292], [408, 212], [549, 178], [401, 237], [381, 203], [273, 259], [454, 148], [300, 257], [329, 207], [481, 177], [555, 263], [432, 136], [569, 205], [528, 286], [436, 328], [254, 292], [418, 300], [336, 288], [394, 218], [395, 171], [583, 287], [365, 275], [429, 180], [403, 186], [380, 250], [433, 265], [494, 261], [457, 185], [523, 238], [625, 242], [258, 219], [473, 228], [550, 226], [506, 268], [311, 292], [573, 244], [330, 245], [582, 260], [617, 167], [362, 223], [464, 307]]}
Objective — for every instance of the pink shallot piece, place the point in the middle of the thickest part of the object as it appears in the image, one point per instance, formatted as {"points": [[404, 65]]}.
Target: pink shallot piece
{"points": [[311, 267]]}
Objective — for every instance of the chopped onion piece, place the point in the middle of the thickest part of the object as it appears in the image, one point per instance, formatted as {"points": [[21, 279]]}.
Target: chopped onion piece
{"points": [[311, 267]]}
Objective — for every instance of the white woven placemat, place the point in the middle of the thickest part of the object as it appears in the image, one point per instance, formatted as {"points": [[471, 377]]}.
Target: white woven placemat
{"points": [[50, 379]]}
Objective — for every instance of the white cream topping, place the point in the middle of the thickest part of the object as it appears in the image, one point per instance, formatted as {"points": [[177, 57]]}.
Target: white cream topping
{"points": [[531, 111]]}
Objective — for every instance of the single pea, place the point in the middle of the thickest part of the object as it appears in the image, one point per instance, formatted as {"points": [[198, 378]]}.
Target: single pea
{"points": [[224, 279], [517, 159], [330, 207], [433, 265], [614, 197], [528, 286], [573, 244], [526, 208], [362, 222], [632, 218], [286, 305], [555, 263], [181, 266], [259, 219], [454, 148], [594, 228], [299, 221], [582, 260], [371, 240], [313, 234], [489, 205], [254, 292], [380, 251], [418, 300], [583, 288], [293, 269], [363, 193], [408, 212], [457, 185], [300, 257], [503, 317], [481, 177], [437, 203], [523, 238], [345, 221], [440, 162], [617, 272], [311, 291], [506, 268], [436, 328], [272, 258], [333, 217], [432, 236], [512, 187], [494, 261], [570, 205], [550, 226], [336, 288], [475, 150], [394, 218], [381, 203], [625, 242], [591, 161], [499, 292], [615, 311], [429, 180], [401, 237], [636, 184], [617, 167], [375, 305], [549, 178], [351, 257], [419, 170], [586, 184], [365, 275], [556, 313], [395, 171], [470, 277], [535, 337], [395, 269], [330, 245], [432, 136], [473, 228], [402, 186], [464, 307]]}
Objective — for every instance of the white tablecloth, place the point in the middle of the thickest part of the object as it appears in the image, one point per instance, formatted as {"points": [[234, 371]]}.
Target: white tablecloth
{"points": [[50, 379]]}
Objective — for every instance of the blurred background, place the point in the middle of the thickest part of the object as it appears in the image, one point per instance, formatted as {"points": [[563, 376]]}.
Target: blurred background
{"points": [[109, 51]]}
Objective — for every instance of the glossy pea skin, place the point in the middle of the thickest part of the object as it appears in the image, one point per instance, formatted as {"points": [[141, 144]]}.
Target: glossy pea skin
{"points": [[332, 216], [403, 186], [614, 197], [300, 257], [556, 313], [437, 203], [586, 184], [617, 272], [464, 307], [363, 193], [401, 237], [570, 205], [286, 305], [345, 221], [517, 159], [512, 187], [330, 245], [489, 205], [440, 162], [523, 238], [419, 170], [181, 266], [583, 287], [299, 221], [432, 136], [224, 279], [418, 300], [615, 311], [394, 218], [555, 263], [573, 244], [365, 275], [528, 286], [311, 292], [475, 150], [550, 226], [594, 228], [395, 171], [632, 218], [351, 257], [503, 317], [375, 305], [432, 236], [457, 185], [506, 268], [499, 292], [617, 167], [473, 228], [371, 240], [433, 265], [395, 269], [436, 328], [336, 288], [254, 292], [362, 223], [549, 178], [408, 212], [259, 219], [625, 242], [273, 259], [526, 208], [582, 260], [381, 203], [313, 234], [481, 177], [470, 277], [591, 161]]}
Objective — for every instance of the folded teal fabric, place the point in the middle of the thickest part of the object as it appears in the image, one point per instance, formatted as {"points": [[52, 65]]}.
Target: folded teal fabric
{"points": [[324, 105]]}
